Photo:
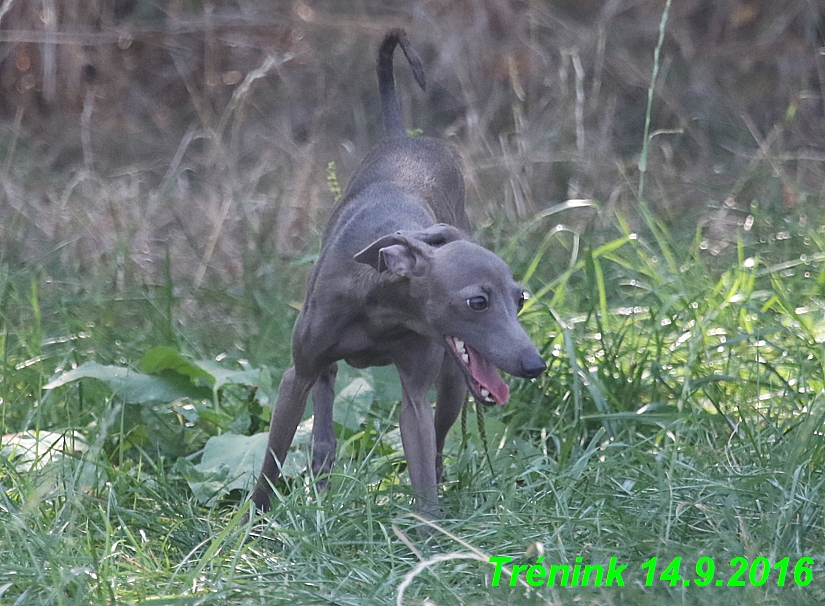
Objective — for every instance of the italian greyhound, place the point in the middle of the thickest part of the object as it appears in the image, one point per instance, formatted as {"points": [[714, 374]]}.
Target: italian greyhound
{"points": [[399, 281]]}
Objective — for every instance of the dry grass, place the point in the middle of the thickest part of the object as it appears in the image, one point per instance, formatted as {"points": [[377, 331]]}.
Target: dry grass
{"points": [[133, 128]]}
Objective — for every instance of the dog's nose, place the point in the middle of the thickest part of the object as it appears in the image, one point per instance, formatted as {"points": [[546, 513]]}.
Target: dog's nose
{"points": [[532, 367]]}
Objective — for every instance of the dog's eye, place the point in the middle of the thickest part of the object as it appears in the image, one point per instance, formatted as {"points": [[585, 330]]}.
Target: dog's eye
{"points": [[478, 303]]}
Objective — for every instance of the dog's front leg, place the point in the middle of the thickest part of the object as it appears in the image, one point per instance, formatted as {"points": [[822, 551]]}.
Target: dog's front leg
{"points": [[418, 370], [289, 408], [452, 391]]}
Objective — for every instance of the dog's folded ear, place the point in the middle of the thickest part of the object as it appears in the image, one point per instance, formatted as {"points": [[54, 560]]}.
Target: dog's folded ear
{"points": [[438, 234], [399, 254], [407, 253]]}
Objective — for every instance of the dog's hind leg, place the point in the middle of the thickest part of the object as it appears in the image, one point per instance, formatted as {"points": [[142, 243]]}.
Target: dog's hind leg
{"points": [[289, 408], [452, 391], [323, 433]]}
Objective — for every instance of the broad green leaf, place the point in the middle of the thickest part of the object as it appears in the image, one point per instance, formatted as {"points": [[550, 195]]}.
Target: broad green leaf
{"points": [[232, 462], [352, 404], [221, 376], [134, 387], [229, 462], [158, 359], [386, 383], [203, 372]]}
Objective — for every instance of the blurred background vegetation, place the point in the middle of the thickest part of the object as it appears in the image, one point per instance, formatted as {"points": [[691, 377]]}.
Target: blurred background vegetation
{"points": [[202, 130]]}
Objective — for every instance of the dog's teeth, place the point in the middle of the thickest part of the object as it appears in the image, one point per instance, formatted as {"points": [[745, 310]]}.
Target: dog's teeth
{"points": [[485, 393], [459, 344], [466, 358]]}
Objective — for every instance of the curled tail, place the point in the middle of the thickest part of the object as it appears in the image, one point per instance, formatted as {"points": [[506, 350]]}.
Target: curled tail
{"points": [[390, 107]]}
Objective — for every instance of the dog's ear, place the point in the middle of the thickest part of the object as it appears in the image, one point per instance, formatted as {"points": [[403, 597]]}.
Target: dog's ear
{"points": [[407, 259], [407, 253], [404, 254], [438, 234]]}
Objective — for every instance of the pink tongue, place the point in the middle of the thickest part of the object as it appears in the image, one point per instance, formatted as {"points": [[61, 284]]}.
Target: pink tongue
{"points": [[487, 376]]}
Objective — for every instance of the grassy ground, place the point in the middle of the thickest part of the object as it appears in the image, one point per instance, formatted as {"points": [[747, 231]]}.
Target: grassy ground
{"points": [[680, 417]]}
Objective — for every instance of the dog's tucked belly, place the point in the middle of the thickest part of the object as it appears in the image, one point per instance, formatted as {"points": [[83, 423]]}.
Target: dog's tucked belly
{"points": [[367, 361], [365, 344]]}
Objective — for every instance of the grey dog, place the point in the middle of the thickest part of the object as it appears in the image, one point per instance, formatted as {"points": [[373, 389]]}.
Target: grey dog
{"points": [[399, 281]]}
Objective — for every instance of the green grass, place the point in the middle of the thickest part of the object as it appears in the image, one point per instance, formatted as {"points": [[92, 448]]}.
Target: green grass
{"points": [[681, 415]]}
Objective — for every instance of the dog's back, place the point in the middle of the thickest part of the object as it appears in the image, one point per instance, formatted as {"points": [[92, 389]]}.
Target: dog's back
{"points": [[420, 166]]}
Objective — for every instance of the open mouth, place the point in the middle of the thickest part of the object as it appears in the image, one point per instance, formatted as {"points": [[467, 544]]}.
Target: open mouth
{"points": [[483, 379]]}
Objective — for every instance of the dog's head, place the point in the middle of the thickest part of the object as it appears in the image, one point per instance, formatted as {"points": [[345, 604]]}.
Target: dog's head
{"points": [[469, 302]]}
